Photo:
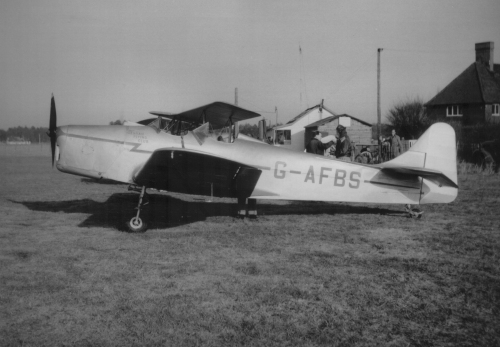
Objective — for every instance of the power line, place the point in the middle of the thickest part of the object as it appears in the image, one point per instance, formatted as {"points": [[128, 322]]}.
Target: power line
{"points": [[351, 77], [354, 74], [429, 51], [254, 107]]}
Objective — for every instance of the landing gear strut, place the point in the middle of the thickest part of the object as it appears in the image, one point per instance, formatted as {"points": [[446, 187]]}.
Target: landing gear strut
{"points": [[242, 208], [413, 212], [136, 224]]}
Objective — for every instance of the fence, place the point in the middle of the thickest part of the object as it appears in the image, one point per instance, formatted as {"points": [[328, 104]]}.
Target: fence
{"points": [[379, 154]]}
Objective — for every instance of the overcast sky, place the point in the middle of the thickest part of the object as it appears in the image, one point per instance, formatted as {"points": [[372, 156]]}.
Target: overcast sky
{"points": [[109, 60]]}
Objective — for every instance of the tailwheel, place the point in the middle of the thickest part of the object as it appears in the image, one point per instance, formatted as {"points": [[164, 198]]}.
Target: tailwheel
{"points": [[413, 212], [136, 225], [416, 213]]}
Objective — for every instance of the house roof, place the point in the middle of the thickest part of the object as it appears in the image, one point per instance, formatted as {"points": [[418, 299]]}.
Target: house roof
{"points": [[476, 84], [288, 124], [293, 120], [332, 118]]}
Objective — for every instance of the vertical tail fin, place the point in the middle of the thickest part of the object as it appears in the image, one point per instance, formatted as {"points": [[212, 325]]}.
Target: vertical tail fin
{"points": [[434, 151]]}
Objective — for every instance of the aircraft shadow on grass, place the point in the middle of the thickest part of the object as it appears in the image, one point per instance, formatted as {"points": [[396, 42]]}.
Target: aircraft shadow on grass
{"points": [[164, 211], [102, 181]]}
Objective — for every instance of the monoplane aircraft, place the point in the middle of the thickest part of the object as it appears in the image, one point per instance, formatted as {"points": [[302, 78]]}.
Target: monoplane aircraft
{"points": [[201, 152]]}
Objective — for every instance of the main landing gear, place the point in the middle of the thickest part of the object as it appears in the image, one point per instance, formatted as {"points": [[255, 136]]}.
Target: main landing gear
{"points": [[413, 212], [249, 211], [136, 224]]}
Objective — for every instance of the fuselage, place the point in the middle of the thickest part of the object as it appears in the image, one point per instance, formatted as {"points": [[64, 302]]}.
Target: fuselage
{"points": [[119, 152]]}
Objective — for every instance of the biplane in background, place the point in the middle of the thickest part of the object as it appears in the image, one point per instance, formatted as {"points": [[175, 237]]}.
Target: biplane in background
{"points": [[201, 152]]}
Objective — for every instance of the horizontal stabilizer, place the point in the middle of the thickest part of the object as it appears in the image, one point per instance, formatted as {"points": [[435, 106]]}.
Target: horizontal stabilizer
{"points": [[432, 175], [433, 158]]}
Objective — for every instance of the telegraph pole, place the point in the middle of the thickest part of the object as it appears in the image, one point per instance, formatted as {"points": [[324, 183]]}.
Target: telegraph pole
{"points": [[378, 94], [236, 96]]}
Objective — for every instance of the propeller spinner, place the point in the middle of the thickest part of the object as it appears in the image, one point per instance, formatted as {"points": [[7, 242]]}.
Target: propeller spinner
{"points": [[52, 128]]}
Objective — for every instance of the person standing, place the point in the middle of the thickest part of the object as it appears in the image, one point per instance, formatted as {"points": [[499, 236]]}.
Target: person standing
{"points": [[396, 145], [343, 149], [315, 146]]}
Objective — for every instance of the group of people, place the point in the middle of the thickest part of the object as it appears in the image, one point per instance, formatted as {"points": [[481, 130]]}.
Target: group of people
{"points": [[343, 149]]}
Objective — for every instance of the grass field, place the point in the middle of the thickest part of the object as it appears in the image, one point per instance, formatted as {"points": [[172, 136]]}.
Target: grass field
{"points": [[303, 274]]}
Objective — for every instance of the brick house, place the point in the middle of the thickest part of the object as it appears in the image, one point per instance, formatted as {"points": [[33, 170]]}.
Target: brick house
{"points": [[474, 96]]}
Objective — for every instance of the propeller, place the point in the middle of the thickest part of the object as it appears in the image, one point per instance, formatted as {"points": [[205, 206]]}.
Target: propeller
{"points": [[52, 128]]}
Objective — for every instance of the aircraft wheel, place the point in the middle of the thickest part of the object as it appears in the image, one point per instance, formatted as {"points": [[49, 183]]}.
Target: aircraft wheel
{"points": [[416, 214], [136, 225]]}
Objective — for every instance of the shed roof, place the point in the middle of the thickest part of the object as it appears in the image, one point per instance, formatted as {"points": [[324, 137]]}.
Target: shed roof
{"points": [[476, 84], [294, 119], [332, 118]]}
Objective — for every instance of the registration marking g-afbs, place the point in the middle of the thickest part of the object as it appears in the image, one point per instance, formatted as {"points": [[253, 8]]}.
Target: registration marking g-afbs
{"points": [[340, 177]]}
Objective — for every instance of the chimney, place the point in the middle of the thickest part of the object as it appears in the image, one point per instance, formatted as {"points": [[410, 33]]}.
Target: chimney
{"points": [[484, 54]]}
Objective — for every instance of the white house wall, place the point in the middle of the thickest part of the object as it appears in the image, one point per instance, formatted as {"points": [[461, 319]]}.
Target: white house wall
{"points": [[298, 130]]}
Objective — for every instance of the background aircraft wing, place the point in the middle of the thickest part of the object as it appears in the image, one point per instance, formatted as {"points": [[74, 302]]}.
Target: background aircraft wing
{"points": [[217, 114], [191, 172], [165, 118]]}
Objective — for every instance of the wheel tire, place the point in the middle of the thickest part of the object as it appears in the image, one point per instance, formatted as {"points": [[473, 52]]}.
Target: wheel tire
{"points": [[136, 225], [416, 214]]}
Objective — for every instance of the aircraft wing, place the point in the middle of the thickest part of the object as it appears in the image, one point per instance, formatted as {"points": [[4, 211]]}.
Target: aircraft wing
{"points": [[216, 113], [192, 172], [151, 120], [432, 175]]}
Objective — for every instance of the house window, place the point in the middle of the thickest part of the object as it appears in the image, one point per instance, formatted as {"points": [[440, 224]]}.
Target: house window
{"points": [[454, 111], [283, 137], [495, 110]]}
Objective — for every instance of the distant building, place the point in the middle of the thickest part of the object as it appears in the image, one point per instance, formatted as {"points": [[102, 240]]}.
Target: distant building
{"points": [[292, 135], [474, 96], [297, 133], [359, 131], [17, 141]]}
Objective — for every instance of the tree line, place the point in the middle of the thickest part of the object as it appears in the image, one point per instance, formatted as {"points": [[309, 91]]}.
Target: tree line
{"points": [[28, 134], [34, 134]]}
